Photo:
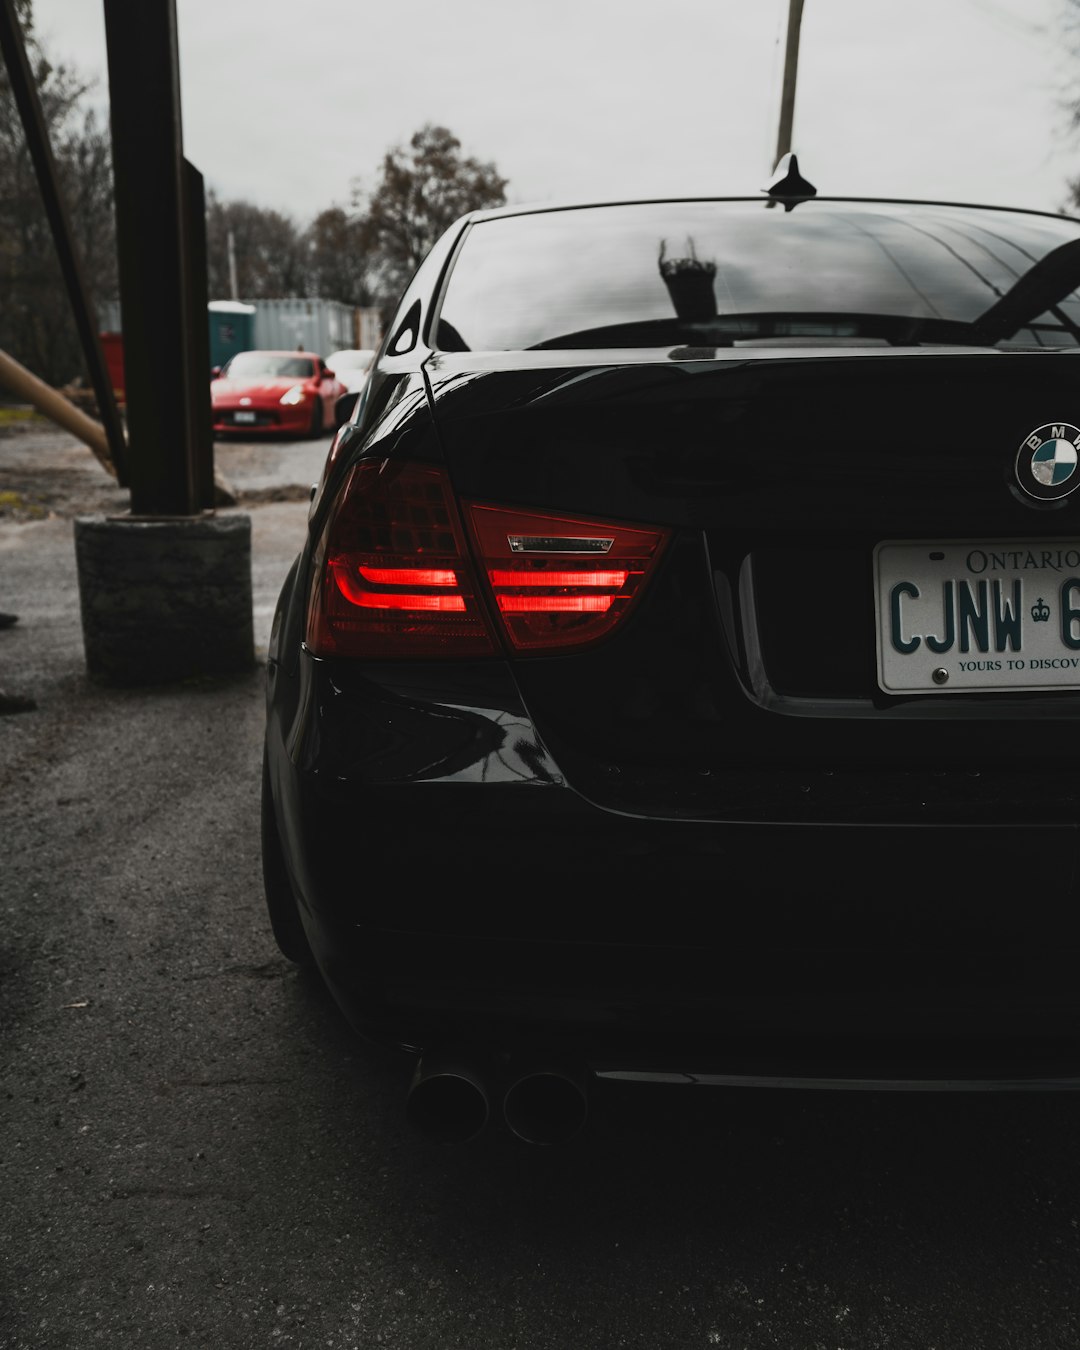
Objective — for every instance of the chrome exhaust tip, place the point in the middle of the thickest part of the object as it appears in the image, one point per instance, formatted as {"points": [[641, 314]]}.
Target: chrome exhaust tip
{"points": [[546, 1104], [448, 1099]]}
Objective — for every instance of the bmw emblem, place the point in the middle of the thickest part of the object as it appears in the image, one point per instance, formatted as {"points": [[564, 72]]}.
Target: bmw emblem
{"points": [[1046, 465]]}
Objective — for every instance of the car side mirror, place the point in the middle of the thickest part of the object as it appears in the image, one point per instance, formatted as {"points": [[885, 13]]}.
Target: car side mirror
{"points": [[344, 408], [328, 374]]}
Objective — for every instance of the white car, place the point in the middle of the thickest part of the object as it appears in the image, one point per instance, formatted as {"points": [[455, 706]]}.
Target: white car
{"points": [[351, 366]]}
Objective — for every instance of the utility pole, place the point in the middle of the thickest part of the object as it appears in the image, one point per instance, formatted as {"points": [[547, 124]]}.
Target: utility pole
{"points": [[791, 65], [233, 289]]}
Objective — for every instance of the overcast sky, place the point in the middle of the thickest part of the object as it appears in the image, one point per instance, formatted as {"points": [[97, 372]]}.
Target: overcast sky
{"points": [[286, 103]]}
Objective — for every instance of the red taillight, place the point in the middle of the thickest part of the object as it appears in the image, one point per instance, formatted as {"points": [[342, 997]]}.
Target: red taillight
{"points": [[392, 577], [409, 576], [561, 581]]}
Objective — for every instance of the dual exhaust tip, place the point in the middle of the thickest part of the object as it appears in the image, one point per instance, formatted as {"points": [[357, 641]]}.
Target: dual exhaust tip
{"points": [[452, 1098]]}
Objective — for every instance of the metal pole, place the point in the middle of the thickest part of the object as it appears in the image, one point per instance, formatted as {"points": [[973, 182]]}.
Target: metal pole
{"points": [[198, 345], [233, 289], [791, 66], [37, 139], [144, 91]]}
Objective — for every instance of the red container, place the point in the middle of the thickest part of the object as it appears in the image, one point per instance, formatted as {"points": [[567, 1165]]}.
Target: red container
{"points": [[112, 344]]}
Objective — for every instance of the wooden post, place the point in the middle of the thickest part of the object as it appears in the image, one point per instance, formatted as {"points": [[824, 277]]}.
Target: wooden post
{"points": [[26, 385]]}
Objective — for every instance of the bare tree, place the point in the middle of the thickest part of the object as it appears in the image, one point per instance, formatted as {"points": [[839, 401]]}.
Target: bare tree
{"points": [[36, 323], [1069, 19], [271, 258], [420, 191], [363, 257], [337, 260]]}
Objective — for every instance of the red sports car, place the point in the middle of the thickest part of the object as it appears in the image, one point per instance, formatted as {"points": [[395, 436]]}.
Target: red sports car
{"points": [[288, 392]]}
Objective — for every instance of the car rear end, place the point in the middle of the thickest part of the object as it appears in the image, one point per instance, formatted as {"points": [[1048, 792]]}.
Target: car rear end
{"points": [[667, 681], [267, 392]]}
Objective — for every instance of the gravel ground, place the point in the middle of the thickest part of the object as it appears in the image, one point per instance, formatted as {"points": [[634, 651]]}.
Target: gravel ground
{"points": [[44, 472]]}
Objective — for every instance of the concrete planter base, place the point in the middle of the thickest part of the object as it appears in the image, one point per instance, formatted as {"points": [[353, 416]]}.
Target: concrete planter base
{"points": [[164, 598]]}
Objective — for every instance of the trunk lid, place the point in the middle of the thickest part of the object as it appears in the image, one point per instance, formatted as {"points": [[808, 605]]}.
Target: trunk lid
{"points": [[754, 649]]}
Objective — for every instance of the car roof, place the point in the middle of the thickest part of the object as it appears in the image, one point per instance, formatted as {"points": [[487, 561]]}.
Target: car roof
{"points": [[542, 208]]}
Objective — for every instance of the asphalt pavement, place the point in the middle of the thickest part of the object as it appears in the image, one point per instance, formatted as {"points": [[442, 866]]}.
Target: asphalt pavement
{"points": [[195, 1150]]}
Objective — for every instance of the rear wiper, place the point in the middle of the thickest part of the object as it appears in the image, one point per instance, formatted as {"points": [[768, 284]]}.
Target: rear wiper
{"points": [[1039, 291], [724, 330], [642, 333]]}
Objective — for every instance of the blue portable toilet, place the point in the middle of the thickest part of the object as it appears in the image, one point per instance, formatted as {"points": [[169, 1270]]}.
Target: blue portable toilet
{"points": [[232, 328]]}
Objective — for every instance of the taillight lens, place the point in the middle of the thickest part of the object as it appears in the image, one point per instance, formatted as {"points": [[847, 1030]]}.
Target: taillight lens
{"points": [[561, 581], [392, 578]]}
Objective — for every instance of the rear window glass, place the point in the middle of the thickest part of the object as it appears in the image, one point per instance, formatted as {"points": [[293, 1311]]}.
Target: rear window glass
{"points": [[270, 365], [722, 274]]}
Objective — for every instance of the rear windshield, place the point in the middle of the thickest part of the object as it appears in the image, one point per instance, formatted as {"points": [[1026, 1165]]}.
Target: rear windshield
{"points": [[706, 275], [270, 365]]}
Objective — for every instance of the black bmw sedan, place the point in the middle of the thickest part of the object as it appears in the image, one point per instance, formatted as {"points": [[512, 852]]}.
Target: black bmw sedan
{"points": [[681, 677]]}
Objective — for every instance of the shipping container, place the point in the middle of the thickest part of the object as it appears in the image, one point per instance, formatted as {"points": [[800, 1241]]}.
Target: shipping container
{"points": [[108, 315], [293, 323], [368, 328], [112, 348], [283, 324]]}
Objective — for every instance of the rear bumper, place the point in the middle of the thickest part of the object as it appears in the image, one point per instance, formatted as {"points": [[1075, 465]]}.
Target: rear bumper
{"points": [[744, 1000], [474, 896]]}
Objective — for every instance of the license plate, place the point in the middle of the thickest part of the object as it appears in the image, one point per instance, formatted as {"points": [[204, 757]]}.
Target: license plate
{"points": [[968, 616], [244, 417]]}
